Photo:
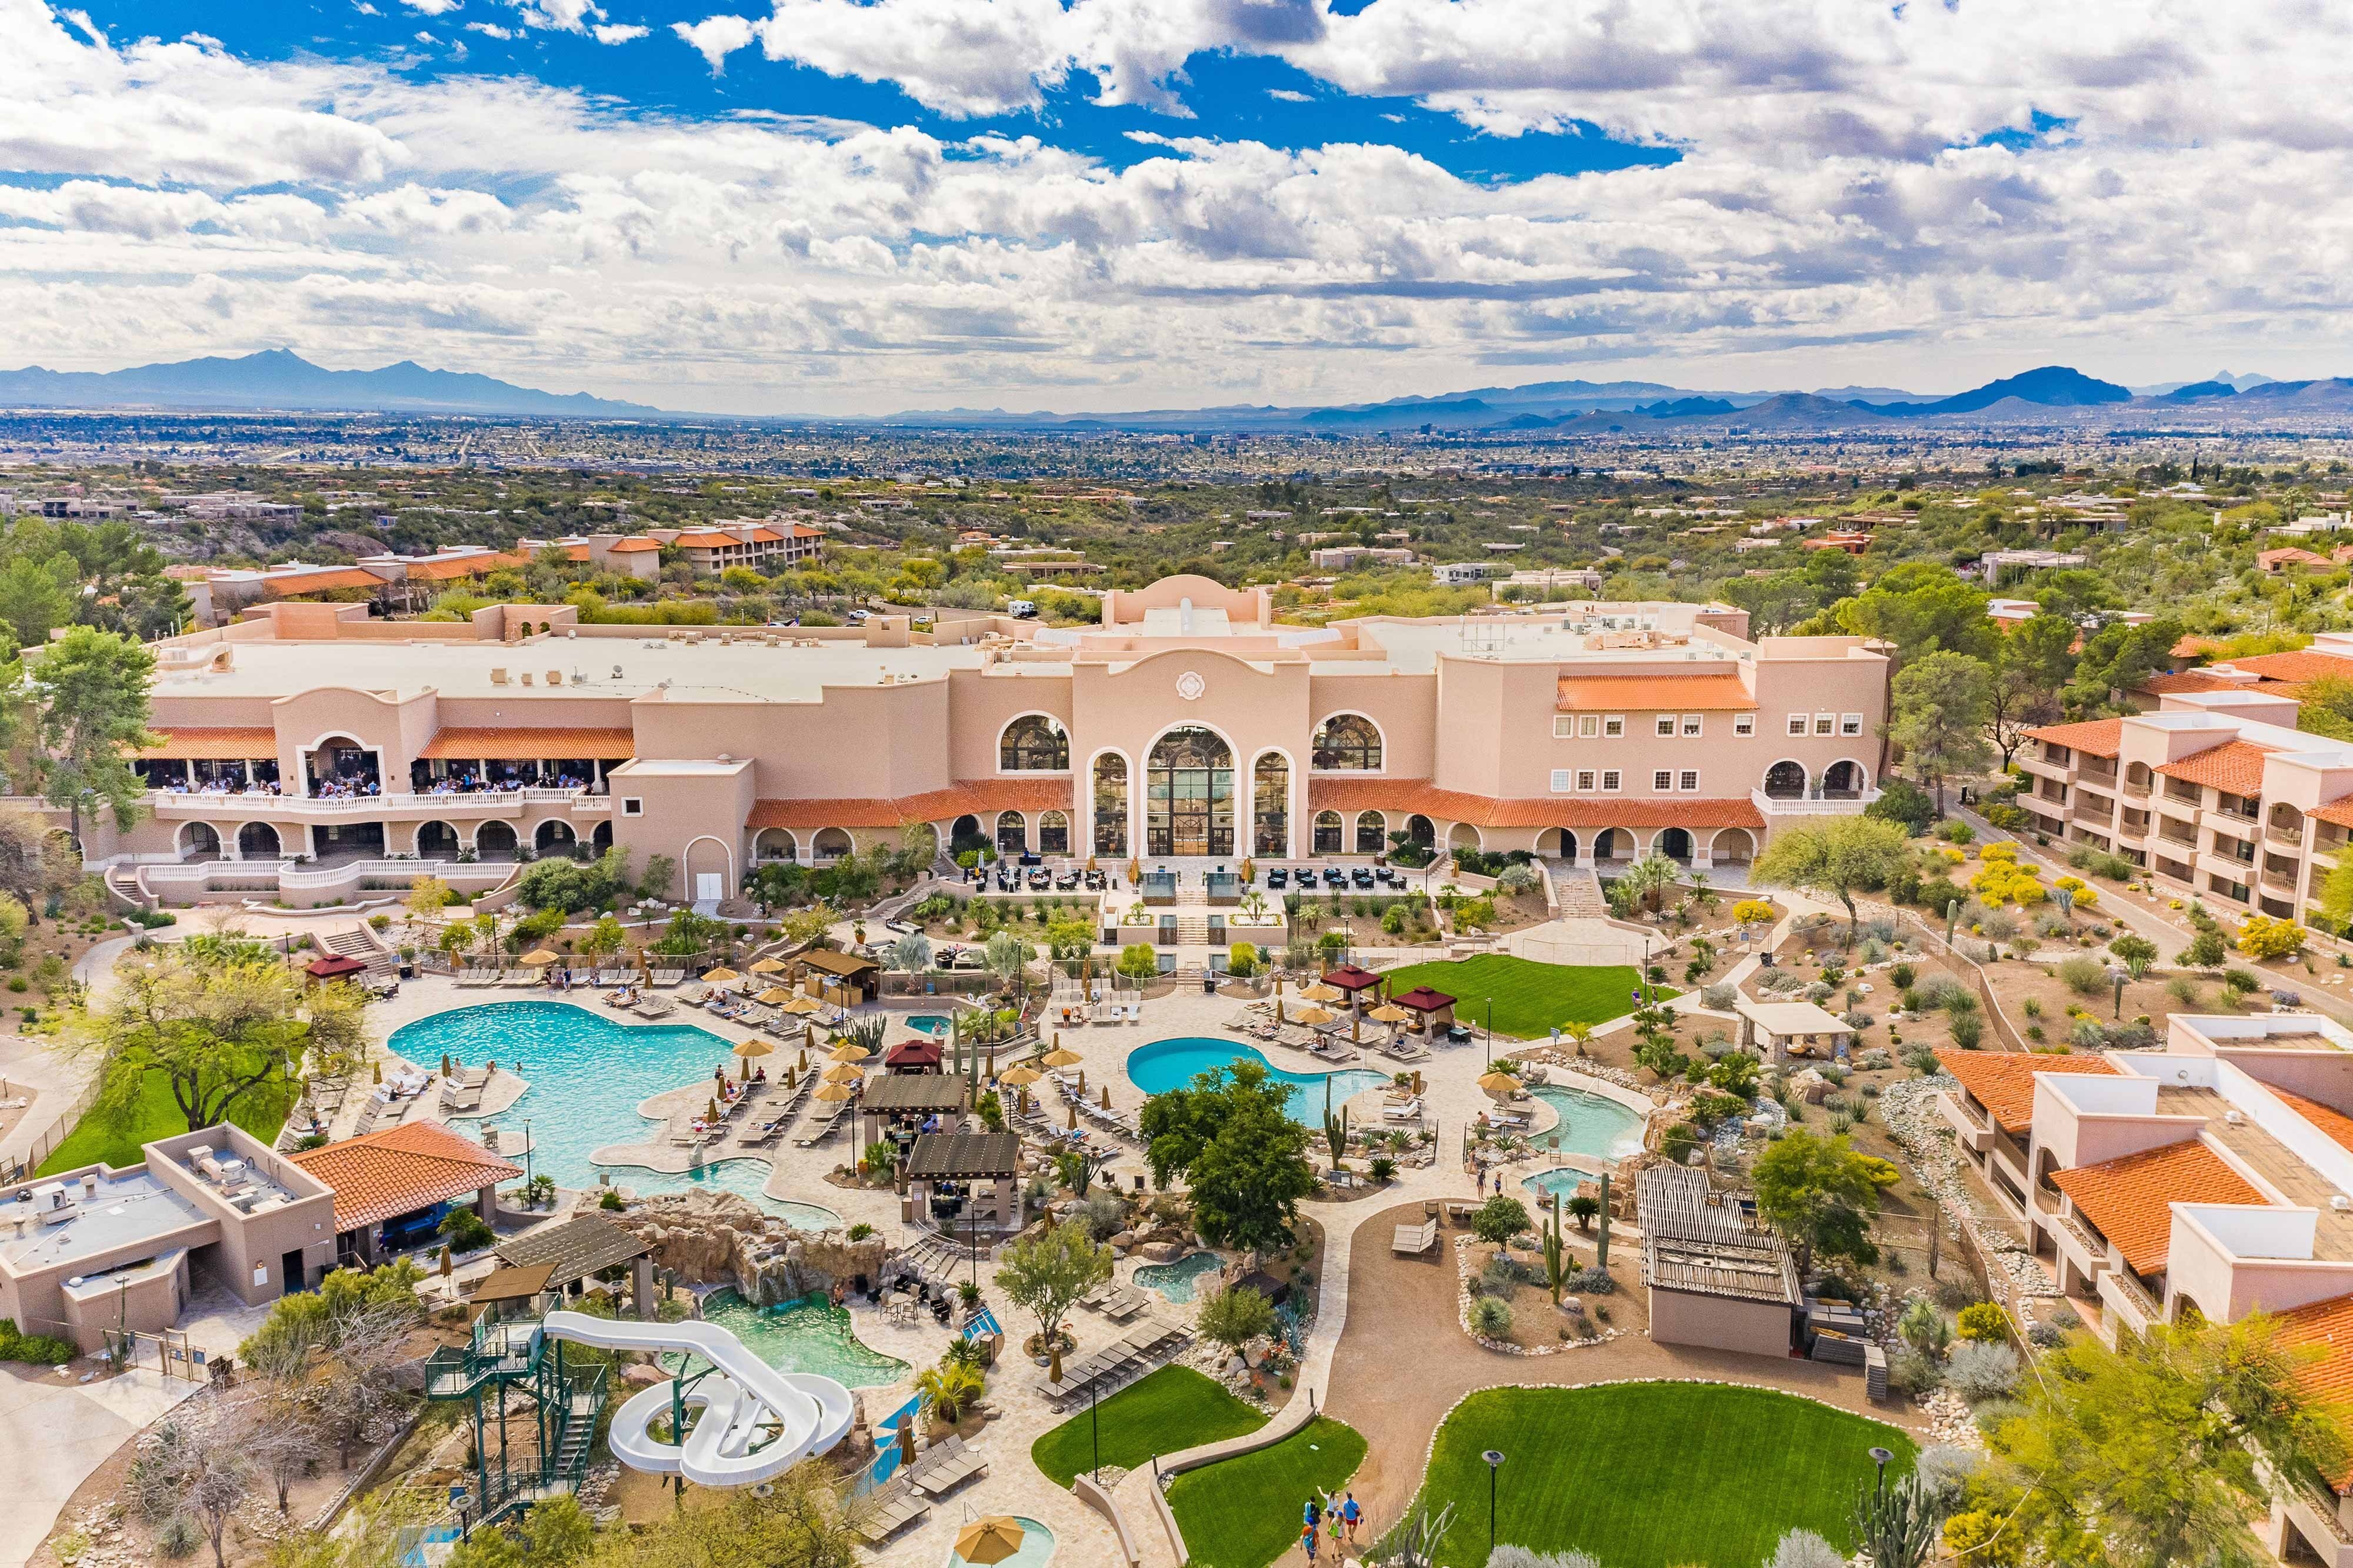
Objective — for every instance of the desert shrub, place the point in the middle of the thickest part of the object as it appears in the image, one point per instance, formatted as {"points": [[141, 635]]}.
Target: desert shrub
{"points": [[1589, 1282], [1967, 1031], [1984, 1322], [1106, 1215], [1509, 1556], [1945, 1469], [1503, 1275], [466, 1231], [1719, 996], [1978, 1372], [1912, 1373], [1804, 1549], [2064, 1316], [1491, 1317], [179, 1537], [1954, 1295], [1900, 976], [2084, 976]]}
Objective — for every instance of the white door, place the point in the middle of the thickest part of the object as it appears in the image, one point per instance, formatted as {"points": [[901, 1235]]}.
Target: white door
{"points": [[710, 885]]}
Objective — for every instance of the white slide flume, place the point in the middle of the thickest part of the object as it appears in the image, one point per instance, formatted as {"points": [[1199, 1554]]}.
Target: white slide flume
{"points": [[752, 1423]]}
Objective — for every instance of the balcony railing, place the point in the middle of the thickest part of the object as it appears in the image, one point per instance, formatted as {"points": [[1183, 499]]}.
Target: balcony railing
{"points": [[1817, 804], [174, 805], [2286, 840], [2138, 791]]}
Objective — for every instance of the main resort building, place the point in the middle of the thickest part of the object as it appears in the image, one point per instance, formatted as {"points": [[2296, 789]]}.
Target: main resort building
{"points": [[311, 751]]}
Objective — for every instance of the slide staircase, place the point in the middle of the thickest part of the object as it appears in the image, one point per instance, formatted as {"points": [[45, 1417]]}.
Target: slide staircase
{"points": [[510, 1364]]}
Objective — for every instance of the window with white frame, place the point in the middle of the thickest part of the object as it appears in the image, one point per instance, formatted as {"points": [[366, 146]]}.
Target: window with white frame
{"points": [[632, 806], [1563, 727], [1610, 781], [1666, 724], [1613, 725], [1590, 725], [1744, 723], [1825, 722], [1663, 780], [1688, 780], [1560, 777], [1797, 724], [1849, 723], [1585, 777], [1692, 722]]}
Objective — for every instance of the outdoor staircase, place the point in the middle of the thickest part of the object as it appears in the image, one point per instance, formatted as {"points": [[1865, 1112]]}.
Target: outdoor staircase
{"points": [[361, 943], [122, 885], [1192, 911], [1576, 890]]}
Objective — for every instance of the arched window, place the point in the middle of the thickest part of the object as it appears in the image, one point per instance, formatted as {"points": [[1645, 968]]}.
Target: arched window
{"points": [[1842, 780], [1054, 834], [1372, 833], [1110, 804], [1785, 781], [1348, 742], [1188, 783], [1033, 743], [1270, 807], [1012, 833], [1328, 833], [776, 844]]}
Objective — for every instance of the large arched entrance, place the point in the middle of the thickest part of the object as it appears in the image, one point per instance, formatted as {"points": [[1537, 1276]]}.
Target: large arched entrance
{"points": [[554, 837], [1613, 844], [1733, 846], [602, 839], [1843, 780], [1786, 779], [259, 841], [1270, 805], [438, 841], [1054, 833], [830, 844], [1372, 833], [1420, 829], [1189, 795], [1328, 833], [1674, 842], [776, 844], [1557, 844], [1462, 836], [199, 841], [1110, 804], [964, 834], [709, 871], [1012, 834], [494, 841]]}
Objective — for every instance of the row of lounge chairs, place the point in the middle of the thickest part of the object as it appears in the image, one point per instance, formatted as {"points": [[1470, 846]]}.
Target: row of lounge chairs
{"points": [[906, 1497], [1118, 1363], [1117, 1302], [1117, 1122], [1069, 1014]]}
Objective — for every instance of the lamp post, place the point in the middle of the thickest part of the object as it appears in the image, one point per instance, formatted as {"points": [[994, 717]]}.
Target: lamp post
{"points": [[1879, 1458], [1494, 1459], [1490, 1032], [1094, 1423]]}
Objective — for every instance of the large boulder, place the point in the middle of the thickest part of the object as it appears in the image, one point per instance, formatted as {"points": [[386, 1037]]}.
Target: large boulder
{"points": [[706, 1237], [1164, 1251]]}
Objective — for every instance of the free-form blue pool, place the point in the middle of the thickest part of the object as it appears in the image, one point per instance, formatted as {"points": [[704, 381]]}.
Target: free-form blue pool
{"points": [[1547, 1185], [806, 1335], [588, 1074], [928, 1024], [1178, 1281], [1164, 1065], [1037, 1546], [1590, 1123]]}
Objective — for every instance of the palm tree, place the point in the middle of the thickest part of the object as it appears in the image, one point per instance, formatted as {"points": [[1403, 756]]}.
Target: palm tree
{"points": [[950, 1386]]}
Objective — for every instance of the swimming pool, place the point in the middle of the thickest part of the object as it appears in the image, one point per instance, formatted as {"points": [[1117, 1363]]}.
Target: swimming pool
{"points": [[1164, 1065], [588, 1074], [1563, 1183], [1590, 1123], [930, 1024], [1177, 1281], [806, 1335], [1037, 1546]]}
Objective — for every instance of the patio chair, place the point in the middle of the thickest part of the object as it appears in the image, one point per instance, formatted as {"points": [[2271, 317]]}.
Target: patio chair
{"points": [[1409, 1112], [1415, 1239]]}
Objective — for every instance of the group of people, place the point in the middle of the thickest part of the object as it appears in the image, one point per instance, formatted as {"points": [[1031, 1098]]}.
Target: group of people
{"points": [[1327, 1521], [332, 788], [224, 784]]}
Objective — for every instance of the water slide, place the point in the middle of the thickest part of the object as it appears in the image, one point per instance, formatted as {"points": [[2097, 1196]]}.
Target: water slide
{"points": [[753, 1422]]}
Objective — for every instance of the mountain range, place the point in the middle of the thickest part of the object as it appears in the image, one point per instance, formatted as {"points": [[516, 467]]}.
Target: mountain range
{"points": [[2050, 396]]}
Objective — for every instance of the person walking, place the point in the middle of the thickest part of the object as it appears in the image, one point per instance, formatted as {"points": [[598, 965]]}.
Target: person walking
{"points": [[1307, 1541], [1350, 1514]]}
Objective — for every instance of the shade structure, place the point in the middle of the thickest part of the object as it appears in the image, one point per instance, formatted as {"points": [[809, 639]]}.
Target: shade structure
{"points": [[1501, 1085], [769, 966], [723, 975], [539, 957], [1061, 1059], [1319, 992], [848, 1051], [1312, 1016], [1388, 1013], [842, 1072], [834, 1092], [990, 1540], [803, 1005], [1021, 1077], [755, 1047], [774, 996]]}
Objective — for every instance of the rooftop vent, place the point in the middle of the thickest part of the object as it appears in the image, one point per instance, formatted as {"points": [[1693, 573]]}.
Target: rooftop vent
{"points": [[2233, 1118], [2340, 1203]]}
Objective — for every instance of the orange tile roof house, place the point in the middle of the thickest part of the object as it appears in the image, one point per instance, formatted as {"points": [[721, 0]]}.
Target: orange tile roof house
{"points": [[399, 1172]]}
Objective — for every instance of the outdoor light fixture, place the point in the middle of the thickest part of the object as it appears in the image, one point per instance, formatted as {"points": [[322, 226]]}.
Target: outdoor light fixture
{"points": [[1494, 1457], [1879, 1456]]}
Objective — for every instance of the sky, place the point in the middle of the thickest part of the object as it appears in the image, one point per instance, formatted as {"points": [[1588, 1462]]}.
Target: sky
{"points": [[850, 207]]}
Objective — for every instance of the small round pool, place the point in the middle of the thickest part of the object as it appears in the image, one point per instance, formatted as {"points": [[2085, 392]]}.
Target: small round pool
{"points": [[744, 1178], [1037, 1546], [1590, 1123], [1178, 1281], [1549, 1185], [930, 1024], [1164, 1065], [806, 1335]]}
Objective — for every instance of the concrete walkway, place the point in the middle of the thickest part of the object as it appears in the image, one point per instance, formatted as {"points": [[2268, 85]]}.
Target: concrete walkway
{"points": [[55, 1431]]}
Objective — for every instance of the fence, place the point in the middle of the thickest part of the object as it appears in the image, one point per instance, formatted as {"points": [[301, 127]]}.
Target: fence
{"points": [[44, 1144], [1594, 954], [1934, 942]]}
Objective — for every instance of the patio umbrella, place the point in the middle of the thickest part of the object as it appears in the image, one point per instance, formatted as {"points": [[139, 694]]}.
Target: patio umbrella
{"points": [[1388, 1012], [1058, 1057], [1499, 1085], [769, 966], [848, 1051], [836, 1092], [1106, 1097], [803, 1005], [990, 1540], [755, 1047], [1021, 1077], [1075, 1114], [1313, 1016], [1319, 992], [723, 975], [907, 1441], [539, 958], [774, 996], [842, 1072]]}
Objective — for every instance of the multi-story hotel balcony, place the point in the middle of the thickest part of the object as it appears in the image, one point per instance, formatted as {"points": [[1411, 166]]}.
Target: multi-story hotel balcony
{"points": [[478, 806], [1818, 803], [1974, 1133]]}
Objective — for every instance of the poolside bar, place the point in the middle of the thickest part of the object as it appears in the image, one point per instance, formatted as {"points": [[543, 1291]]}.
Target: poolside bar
{"points": [[900, 1107], [944, 1172]]}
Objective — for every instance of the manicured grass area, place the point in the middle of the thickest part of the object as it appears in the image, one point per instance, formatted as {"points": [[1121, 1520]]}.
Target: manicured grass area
{"points": [[1645, 1475], [1173, 1409], [1530, 997], [260, 1111], [1245, 1513]]}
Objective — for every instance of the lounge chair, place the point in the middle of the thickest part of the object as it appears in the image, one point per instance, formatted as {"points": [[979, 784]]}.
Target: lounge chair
{"points": [[890, 1510], [1413, 1240], [1409, 1111], [653, 1006], [668, 977]]}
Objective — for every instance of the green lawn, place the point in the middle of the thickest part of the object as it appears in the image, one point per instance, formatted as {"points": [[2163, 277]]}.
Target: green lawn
{"points": [[1245, 1513], [260, 1111], [1173, 1409], [1530, 997], [1644, 1475]]}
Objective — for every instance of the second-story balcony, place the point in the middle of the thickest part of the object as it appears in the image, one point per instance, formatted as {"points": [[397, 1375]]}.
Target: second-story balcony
{"points": [[1816, 803], [482, 805]]}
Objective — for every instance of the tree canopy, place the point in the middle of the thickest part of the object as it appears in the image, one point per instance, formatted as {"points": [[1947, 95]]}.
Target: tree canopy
{"points": [[1941, 706], [1821, 1194], [1230, 1135], [1843, 856], [90, 691]]}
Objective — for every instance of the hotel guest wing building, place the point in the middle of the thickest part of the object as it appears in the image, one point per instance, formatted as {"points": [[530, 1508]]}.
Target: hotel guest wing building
{"points": [[311, 747]]}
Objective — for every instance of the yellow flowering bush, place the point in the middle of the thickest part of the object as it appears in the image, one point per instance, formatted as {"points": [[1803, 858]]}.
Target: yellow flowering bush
{"points": [[2262, 937], [2004, 850], [2086, 894]]}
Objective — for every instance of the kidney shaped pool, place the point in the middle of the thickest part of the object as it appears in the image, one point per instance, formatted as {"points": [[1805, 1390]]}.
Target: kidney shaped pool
{"points": [[1164, 1065]]}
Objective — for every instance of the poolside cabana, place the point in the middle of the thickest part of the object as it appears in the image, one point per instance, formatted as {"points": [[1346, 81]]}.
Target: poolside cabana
{"points": [[913, 1056], [1361, 987], [848, 978], [334, 966], [577, 1250], [897, 1106], [1433, 1010], [1712, 1278], [945, 1172], [1780, 1030]]}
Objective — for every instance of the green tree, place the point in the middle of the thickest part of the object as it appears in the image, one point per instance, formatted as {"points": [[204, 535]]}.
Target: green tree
{"points": [[2030, 667], [1921, 606], [1045, 1275], [1841, 856], [90, 689], [2118, 657], [1498, 1219], [1904, 803], [1821, 1194], [1069, 939], [37, 594], [1231, 1136], [1138, 962], [2157, 1452], [1942, 705], [1235, 1316]]}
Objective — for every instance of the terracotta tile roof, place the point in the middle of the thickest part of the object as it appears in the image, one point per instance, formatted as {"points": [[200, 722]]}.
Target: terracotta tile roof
{"points": [[1653, 694], [766, 536], [2003, 1081], [2288, 555], [222, 745], [290, 586], [442, 569], [2235, 767], [2099, 738], [632, 545], [977, 796], [2130, 1200], [2329, 1121], [2326, 1327], [1332, 793], [705, 539], [2194, 646], [2300, 666], [2339, 812], [2190, 680], [575, 551], [379, 1175], [523, 744]]}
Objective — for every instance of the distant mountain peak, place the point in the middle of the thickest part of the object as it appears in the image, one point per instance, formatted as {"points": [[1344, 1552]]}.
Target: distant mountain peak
{"points": [[281, 378]]}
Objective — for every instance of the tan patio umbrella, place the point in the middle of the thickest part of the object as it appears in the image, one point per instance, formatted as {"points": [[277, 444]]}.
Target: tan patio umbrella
{"points": [[803, 1005], [1313, 1016], [1021, 1077], [769, 966], [990, 1540], [835, 1092], [1106, 1097], [755, 1047], [1058, 1057], [842, 1072], [1499, 1085], [1388, 1012], [539, 958], [804, 1063], [723, 975], [1319, 992], [774, 996], [1075, 1114], [848, 1051]]}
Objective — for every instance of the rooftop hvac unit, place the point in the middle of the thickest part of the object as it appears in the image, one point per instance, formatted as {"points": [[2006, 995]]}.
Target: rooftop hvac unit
{"points": [[2339, 1202], [2233, 1118]]}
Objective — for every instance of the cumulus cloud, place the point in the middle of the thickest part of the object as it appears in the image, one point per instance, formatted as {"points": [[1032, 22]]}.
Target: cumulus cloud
{"points": [[716, 38], [430, 7], [618, 33]]}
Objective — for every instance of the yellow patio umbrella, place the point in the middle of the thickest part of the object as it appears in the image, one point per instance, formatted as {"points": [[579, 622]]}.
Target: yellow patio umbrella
{"points": [[1388, 1012], [770, 966], [723, 975], [776, 996], [1058, 1058], [1501, 1085], [1319, 992], [539, 958], [836, 1092], [755, 1047], [1021, 1077], [803, 1005], [842, 1072], [990, 1540], [1313, 1016], [848, 1051]]}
